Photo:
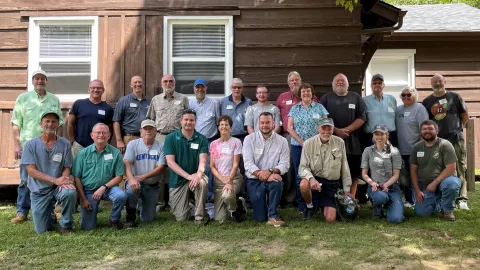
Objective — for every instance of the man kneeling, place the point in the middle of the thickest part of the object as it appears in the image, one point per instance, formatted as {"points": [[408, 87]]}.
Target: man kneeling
{"points": [[323, 169]]}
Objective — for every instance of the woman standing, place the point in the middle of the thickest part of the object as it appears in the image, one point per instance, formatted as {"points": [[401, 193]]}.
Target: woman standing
{"points": [[384, 162]]}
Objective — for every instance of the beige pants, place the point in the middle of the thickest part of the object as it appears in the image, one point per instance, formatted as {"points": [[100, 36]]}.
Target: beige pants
{"points": [[164, 181], [179, 200], [226, 202], [461, 153], [76, 148], [127, 139]]}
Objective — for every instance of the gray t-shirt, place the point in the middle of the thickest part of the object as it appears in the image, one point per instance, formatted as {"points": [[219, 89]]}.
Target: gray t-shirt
{"points": [[381, 164], [48, 161], [145, 159], [254, 111], [408, 121]]}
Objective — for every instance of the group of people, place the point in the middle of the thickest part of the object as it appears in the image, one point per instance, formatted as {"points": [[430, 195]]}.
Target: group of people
{"points": [[179, 153]]}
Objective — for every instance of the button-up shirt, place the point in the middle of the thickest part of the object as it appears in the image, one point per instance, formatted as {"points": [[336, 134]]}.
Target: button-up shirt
{"points": [[237, 112], [28, 109], [325, 160], [166, 112], [130, 112], [285, 102], [265, 154], [305, 120], [380, 112], [381, 163], [254, 111], [208, 113], [98, 168]]}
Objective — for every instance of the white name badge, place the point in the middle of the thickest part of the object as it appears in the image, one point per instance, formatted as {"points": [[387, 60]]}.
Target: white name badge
{"points": [[316, 116], [101, 112], [442, 101], [420, 154], [176, 102], [57, 157], [226, 150], [194, 146], [289, 102], [108, 157], [133, 105], [351, 106], [391, 109], [406, 113], [229, 107], [153, 152], [258, 151]]}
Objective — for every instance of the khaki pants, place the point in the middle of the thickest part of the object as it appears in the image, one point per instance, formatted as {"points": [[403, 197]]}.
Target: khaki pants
{"points": [[226, 202], [164, 181], [179, 200], [76, 148], [127, 139], [461, 153]]}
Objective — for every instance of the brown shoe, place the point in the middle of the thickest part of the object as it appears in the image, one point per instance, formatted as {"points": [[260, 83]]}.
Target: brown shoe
{"points": [[116, 225], [448, 216], [276, 222], [19, 219]]}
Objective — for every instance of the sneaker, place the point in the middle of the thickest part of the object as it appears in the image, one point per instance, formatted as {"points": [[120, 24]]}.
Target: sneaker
{"points": [[276, 222], [19, 218], [308, 214], [408, 205], [116, 225], [448, 216], [66, 231], [462, 205]]}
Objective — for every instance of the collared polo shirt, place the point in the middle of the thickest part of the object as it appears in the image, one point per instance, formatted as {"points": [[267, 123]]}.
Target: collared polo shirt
{"points": [[305, 120], [29, 108], [130, 112], [381, 163], [254, 111], [284, 103], [236, 112], [187, 154], [166, 112], [380, 112], [98, 168], [208, 113]]}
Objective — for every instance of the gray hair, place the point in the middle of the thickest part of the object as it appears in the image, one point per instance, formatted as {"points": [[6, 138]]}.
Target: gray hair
{"points": [[340, 74], [96, 80], [412, 90], [237, 80], [99, 125], [293, 73]]}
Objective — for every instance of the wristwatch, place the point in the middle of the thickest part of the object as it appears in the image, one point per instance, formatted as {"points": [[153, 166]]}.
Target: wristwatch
{"points": [[106, 187], [270, 170]]}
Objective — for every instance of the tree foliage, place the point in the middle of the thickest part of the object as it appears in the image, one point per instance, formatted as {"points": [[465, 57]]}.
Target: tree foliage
{"points": [[349, 4]]}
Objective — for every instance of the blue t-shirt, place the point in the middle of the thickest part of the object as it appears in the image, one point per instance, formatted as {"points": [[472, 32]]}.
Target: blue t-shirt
{"points": [[89, 114], [48, 161], [236, 112]]}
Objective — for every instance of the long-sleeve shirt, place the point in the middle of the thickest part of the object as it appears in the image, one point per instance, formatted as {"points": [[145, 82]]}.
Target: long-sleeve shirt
{"points": [[325, 160], [264, 154]]}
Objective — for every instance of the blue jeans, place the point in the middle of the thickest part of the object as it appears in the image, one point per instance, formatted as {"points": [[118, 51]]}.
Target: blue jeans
{"points": [[408, 191], [391, 199], [23, 197], [43, 205], [444, 196], [296, 152], [149, 195], [257, 191], [88, 220], [209, 174]]}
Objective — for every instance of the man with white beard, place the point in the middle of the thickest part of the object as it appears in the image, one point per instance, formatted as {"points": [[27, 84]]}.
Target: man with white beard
{"points": [[450, 113]]}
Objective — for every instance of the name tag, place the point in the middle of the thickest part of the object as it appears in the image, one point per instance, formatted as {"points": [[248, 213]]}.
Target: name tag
{"points": [[258, 151], [351, 106], [226, 150], [289, 102], [391, 109], [406, 113], [153, 152], [420, 154], [176, 102], [101, 112], [442, 101], [133, 105], [194, 146], [316, 116], [57, 157], [229, 107], [108, 157]]}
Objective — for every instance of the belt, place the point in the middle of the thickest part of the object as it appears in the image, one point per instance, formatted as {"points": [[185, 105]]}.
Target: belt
{"points": [[163, 133], [132, 134]]}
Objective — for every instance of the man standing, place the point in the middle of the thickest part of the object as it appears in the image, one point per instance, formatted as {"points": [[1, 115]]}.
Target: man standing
{"points": [[98, 169], [48, 160], [26, 114], [235, 106], [254, 111], [186, 151], [432, 169], [347, 111], [380, 108], [324, 173], [267, 158], [144, 164], [85, 114], [450, 113], [130, 111]]}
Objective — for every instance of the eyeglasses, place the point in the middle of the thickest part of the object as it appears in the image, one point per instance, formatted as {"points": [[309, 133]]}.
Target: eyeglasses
{"points": [[168, 81], [406, 95], [101, 133], [237, 87]]}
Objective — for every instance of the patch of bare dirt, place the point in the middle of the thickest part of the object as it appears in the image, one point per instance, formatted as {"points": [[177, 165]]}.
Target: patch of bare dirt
{"points": [[320, 250]]}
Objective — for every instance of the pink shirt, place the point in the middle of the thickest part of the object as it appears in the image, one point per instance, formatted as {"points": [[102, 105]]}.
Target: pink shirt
{"points": [[222, 154]]}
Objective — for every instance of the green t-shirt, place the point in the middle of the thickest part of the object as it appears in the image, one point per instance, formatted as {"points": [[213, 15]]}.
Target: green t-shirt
{"points": [[187, 154], [431, 161], [96, 169]]}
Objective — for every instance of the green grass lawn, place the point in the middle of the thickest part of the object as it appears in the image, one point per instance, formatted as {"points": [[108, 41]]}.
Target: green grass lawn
{"points": [[418, 243]]}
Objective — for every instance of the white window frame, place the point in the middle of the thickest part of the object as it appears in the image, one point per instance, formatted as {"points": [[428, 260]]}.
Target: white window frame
{"points": [[168, 23], [34, 48], [392, 54]]}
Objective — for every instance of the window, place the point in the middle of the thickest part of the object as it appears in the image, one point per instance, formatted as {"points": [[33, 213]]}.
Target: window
{"points": [[199, 47], [396, 66], [66, 48]]}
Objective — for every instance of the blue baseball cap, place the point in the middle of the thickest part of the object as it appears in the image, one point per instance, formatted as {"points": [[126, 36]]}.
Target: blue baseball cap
{"points": [[200, 81]]}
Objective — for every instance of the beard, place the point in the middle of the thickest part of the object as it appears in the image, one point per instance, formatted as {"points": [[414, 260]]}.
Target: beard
{"points": [[437, 89], [168, 89], [325, 137], [340, 90], [431, 139]]}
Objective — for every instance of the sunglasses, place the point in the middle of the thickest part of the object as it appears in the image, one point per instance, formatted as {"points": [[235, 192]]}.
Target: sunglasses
{"points": [[406, 95], [189, 111]]}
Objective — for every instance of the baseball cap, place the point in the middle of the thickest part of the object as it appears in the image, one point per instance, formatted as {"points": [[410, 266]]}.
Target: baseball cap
{"points": [[377, 76], [50, 112], [200, 81], [39, 72], [381, 128], [325, 122], [148, 123]]}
